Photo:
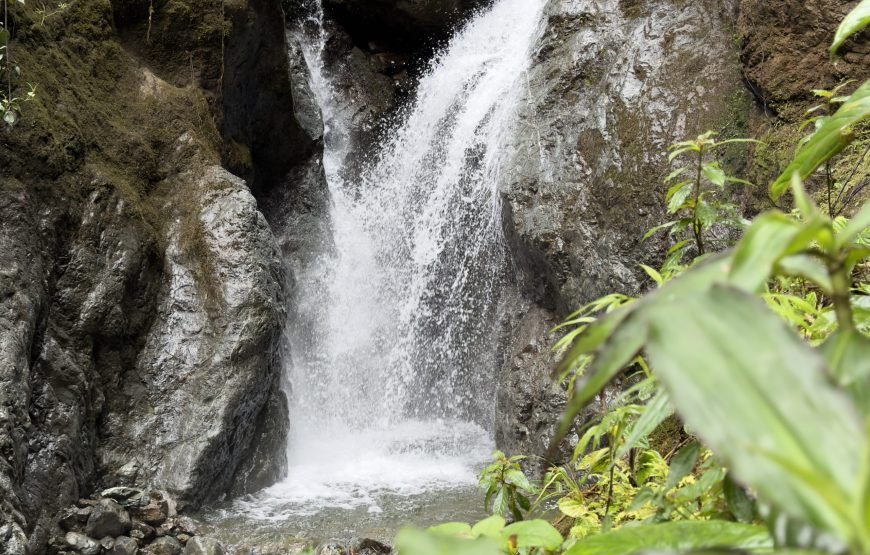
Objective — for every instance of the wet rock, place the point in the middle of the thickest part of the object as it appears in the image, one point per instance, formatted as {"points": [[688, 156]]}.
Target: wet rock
{"points": [[612, 84], [784, 49], [164, 546], [74, 519], [142, 531], [203, 546], [108, 519], [126, 497], [107, 543], [124, 546], [371, 547], [406, 25], [82, 543]]}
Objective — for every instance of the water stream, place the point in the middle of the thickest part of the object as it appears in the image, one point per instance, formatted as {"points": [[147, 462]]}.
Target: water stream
{"points": [[395, 334]]}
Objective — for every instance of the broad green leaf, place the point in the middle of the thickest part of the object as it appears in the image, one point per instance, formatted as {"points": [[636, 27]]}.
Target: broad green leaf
{"points": [[572, 507], [683, 463], [533, 533], [617, 337], [517, 478], [854, 22], [455, 529], [760, 398], [848, 356], [714, 174], [770, 238], [832, 137], [410, 541], [677, 196], [807, 267], [739, 503], [617, 353], [488, 527], [676, 537]]}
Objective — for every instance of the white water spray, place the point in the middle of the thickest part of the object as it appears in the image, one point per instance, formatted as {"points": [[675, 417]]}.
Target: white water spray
{"points": [[395, 340]]}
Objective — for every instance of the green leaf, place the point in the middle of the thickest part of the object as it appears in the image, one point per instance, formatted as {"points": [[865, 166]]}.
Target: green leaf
{"points": [[489, 527], [617, 337], [834, 135], [848, 356], [410, 541], [655, 412], [517, 478], [854, 22], [763, 403], [739, 503], [533, 533], [455, 529], [682, 464], [619, 350], [674, 536], [807, 267], [572, 507], [770, 238], [714, 174], [656, 229], [653, 274], [678, 195]]}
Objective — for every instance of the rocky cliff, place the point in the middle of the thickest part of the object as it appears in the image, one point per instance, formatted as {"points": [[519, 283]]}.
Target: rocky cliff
{"points": [[613, 83], [143, 293]]}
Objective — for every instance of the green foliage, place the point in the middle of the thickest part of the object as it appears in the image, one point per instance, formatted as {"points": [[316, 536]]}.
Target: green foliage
{"points": [[857, 19], [675, 536], [488, 537], [506, 486], [695, 190], [833, 135]]}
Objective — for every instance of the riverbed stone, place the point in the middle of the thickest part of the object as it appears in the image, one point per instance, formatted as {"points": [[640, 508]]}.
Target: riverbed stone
{"points": [[203, 546], [166, 545], [82, 543], [124, 545], [108, 519]]}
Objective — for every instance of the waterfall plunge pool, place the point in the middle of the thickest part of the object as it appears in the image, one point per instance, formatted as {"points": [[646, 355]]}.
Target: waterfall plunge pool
{"points": [[346, 484]]}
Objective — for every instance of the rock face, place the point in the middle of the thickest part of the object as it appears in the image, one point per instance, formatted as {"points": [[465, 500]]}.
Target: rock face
{"points": [[784, 48], [407, 24], [142, 291], [612, 84]]}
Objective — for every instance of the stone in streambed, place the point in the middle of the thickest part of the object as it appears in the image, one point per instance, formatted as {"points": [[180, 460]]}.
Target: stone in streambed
{"points": [[203, 546], [108, 519], [166, 545], [82, 543], [124, 545]]}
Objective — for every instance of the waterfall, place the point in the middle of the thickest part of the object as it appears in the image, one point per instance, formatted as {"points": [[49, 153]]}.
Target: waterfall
{"points": [[396, 328]]}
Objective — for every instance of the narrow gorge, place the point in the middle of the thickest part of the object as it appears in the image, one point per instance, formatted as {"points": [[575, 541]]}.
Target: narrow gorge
{"points": [[287, 272]]}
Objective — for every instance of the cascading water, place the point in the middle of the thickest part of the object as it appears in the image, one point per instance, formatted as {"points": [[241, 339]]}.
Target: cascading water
{"points": [[394, 340]]}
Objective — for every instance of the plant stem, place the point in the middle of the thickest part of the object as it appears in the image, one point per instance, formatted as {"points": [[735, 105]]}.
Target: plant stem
{"points": [[842, 285], [696, 224]]}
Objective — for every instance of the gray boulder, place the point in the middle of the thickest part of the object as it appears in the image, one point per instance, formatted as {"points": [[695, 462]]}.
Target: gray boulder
{"points": [[203, 546], [83, 544], [163, 546], [124, 546], [108, 519]]}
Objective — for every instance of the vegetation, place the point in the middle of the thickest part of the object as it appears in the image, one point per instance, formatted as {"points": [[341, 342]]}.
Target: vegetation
{"points": [[761, 354]]}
